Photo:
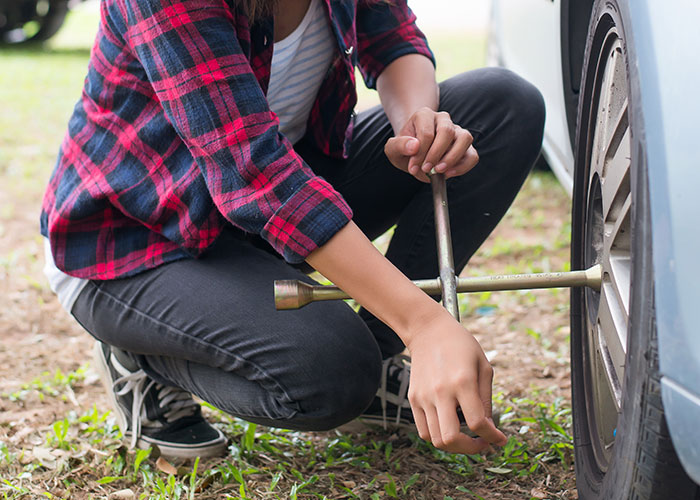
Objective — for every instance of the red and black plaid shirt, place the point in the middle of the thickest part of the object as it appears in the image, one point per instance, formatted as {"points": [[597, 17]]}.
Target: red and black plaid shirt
{"points": [[173, 137]]}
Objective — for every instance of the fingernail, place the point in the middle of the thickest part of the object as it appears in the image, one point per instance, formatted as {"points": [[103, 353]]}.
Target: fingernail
{"points": [[441, 167], [427, 167]]}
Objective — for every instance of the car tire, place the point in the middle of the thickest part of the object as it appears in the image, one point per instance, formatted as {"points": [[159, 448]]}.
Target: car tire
{"points": [[49, 20], [622, 445]]}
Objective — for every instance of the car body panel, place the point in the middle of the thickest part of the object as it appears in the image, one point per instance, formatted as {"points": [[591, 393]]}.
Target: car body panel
{"points": [[666, 47], [531, 53], [666, 42]]}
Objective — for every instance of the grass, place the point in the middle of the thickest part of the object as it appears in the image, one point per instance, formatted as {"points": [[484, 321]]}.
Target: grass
{"points": [[84, 454], [56, 441], [47, 384]]}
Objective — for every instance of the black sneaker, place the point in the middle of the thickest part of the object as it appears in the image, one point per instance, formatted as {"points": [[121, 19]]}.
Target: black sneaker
{"points": [[390, 408], [151, 414]]}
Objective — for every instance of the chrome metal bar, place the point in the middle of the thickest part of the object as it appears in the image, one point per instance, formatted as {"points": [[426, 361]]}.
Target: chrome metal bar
{"points": [[443, 238], [293, 294]]}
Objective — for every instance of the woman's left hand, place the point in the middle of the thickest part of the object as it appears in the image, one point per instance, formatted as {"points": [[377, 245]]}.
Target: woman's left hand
{"points": [[428, 140]]}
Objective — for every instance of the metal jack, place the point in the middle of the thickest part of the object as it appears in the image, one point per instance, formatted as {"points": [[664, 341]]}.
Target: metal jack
{"points": [[293, 294]]}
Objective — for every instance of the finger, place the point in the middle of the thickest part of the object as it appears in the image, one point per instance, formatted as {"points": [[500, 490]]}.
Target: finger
{"points": [[454, 441], [424, 123], [472, 405], [485, 393], [445, 134], [433, 426], [485, 387], [409, 146], [468, 162], [416, 172], [457, 151], [399, 149], [421, 423]]}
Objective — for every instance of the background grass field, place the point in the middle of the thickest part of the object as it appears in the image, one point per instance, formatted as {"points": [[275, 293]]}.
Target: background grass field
{"points": [[58, 439]]}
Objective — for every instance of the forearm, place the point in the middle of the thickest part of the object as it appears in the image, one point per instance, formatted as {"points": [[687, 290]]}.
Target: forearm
{"points": [[405, 86], [351, 261]]}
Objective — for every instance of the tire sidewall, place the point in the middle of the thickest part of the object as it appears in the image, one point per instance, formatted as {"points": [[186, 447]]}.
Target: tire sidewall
{"points": [[641, 362]]}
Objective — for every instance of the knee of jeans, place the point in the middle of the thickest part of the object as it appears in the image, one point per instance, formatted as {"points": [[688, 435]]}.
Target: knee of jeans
{"points": [[345, 386], [519, 100], [510, 106], [344, 404]]}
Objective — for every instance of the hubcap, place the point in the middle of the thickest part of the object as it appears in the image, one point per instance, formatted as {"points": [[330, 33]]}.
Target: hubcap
{"points": [[607, 241]]}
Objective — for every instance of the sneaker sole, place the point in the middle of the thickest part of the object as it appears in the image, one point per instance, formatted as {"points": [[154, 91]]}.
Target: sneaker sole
{"points": [[213, 448]]}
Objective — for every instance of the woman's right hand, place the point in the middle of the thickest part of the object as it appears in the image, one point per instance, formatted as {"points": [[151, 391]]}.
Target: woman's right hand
{"points": [[448, 367], [450, 370]]}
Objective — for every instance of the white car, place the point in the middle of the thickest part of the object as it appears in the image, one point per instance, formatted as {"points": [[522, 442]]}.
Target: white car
{"points": [[620, 80]]}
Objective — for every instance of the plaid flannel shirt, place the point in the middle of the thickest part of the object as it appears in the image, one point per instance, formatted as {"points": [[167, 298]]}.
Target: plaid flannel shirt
{"points": [[173, 137]]}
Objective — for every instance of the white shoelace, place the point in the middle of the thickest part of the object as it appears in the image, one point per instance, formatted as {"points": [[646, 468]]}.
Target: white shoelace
{"points": [[179, 401], [397, 362]]}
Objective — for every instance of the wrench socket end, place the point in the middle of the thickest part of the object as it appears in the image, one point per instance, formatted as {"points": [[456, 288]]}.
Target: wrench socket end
{"points": [[292, 294]]}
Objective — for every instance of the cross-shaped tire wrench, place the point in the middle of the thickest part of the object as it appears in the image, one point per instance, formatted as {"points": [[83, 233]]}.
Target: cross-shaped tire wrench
{"points": [[443, 238]]}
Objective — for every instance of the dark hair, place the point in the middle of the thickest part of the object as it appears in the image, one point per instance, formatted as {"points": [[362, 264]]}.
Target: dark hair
{"points": [[256, 9]]}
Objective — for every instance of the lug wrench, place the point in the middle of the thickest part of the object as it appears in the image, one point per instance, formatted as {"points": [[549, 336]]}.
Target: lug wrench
{"points": [[293, 294], [443, 238]]}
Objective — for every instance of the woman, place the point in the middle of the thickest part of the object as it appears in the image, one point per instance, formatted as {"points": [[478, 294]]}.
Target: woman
{"points": [[214, 150]]}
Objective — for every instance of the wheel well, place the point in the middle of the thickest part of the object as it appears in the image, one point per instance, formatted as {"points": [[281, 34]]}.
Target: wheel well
{"points": [[575, 18]]}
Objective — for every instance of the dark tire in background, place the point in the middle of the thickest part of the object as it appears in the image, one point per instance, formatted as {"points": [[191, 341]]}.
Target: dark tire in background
{"points": [[622, 446], [25, 21]]}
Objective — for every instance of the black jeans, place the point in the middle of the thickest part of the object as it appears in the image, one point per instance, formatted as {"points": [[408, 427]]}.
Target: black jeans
{"points": [[209, 325]]}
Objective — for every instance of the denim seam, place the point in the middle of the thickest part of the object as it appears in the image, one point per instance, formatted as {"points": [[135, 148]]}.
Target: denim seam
{"points": [[208, 344]]}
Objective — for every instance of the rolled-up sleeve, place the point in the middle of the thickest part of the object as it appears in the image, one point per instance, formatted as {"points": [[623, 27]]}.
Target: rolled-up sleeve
{"points": [[210, 95], [386, 30]]}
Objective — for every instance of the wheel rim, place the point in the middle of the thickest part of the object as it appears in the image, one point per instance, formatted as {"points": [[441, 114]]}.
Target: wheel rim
{"points": [[607, 242]]}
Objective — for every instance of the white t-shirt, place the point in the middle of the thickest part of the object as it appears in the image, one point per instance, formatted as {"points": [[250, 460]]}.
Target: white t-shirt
{"points": [[299, 64], [66, 287]]}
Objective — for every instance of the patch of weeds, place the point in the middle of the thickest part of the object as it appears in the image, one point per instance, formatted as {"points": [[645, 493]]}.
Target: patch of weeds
{"points": [[510, 247], [479, 303], [69, 432], [459, 464], [58, 438], [12, 491], [168, 489], [544, 437], [6, 455], [48, 384], [96, 426], [553, 421], [394, 490], [542, 340], [343, 450]]}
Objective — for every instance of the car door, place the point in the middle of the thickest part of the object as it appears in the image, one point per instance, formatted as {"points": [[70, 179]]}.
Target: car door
{"points": [[528, 41]]}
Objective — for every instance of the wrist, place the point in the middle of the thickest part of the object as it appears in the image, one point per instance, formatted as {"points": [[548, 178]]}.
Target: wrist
{"points": [[422, 321]]}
